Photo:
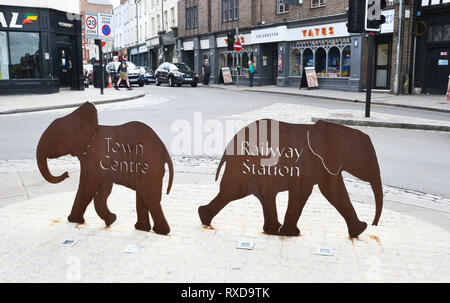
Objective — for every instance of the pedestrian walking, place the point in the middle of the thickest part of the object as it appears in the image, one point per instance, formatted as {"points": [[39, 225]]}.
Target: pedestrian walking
{"points": [[123, 68], [206, 70], [251, 71]]}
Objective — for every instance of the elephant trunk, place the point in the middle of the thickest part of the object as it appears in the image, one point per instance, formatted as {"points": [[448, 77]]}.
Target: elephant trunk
{"points": [[42, 156]]}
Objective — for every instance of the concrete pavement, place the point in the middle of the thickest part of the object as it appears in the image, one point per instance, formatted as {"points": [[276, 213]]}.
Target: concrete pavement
{"points": [[411, 243], [12, 104], [402, 248]]}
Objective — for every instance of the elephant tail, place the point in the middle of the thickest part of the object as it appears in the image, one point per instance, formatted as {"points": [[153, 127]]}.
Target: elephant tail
{"points": [[222, 161], [378, 193], [170, 164]]}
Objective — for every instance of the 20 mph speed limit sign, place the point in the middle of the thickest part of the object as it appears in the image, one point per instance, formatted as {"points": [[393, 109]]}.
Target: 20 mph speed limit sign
{"points": [[91, 25]]}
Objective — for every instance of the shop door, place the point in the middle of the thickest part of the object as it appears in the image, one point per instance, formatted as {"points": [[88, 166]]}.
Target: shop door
{"points": [[382, 65], [438, 69], [65, 66], [273, 66]]}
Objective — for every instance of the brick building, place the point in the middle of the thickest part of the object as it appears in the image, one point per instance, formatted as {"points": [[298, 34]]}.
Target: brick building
{"points": [[430, 68], [283, 39], [89, 48]]}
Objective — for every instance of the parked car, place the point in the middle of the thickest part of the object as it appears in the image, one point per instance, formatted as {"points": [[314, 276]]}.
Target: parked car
{"points": [[90, 71], [135, 74], [175, 74], [149, 75]]}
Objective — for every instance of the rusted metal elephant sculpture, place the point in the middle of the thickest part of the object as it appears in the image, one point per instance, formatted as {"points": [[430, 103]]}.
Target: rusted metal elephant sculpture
{"points": [[296, 158], [131, 155]]}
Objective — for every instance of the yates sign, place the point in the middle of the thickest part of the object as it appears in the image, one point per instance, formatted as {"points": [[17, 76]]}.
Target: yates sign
{"points": [[17, 20]]}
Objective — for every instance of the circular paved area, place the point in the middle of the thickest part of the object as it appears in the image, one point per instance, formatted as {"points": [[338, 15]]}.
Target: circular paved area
{"points": [[400, 249]]}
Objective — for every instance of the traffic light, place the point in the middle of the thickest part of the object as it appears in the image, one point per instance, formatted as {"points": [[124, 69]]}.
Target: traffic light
{"points": [[374, 17], [230, 41], [356, 12]]}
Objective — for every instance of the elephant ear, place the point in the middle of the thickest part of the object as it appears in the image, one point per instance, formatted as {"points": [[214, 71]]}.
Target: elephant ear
{"points": [[79, 127], [330, 143]]}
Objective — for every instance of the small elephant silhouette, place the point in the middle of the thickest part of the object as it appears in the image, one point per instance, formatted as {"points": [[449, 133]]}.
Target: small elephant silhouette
{"points": [[131, 155], [305, 155]]}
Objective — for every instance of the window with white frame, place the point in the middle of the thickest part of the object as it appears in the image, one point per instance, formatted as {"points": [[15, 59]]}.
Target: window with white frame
{"points": [[318, 3], [281, 7]]}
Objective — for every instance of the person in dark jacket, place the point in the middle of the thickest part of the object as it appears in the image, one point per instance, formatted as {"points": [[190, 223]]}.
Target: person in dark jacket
{"points": [[206, 70]]}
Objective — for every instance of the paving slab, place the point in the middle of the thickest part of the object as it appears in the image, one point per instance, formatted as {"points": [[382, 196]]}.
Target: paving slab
{"points": [[400, 249]]}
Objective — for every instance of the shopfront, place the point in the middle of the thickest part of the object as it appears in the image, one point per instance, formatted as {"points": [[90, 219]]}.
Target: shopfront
{"points": [[280, 54], [329, 48], [40, 50], [432, 68]]}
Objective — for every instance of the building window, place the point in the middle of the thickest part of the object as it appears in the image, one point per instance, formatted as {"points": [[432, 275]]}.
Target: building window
{"points": [[318, 3], [346, 57], [191, 17], [4, 56], [308, 58], [222, 60], [281, 7], [230, 10], [334, 62], [435, 33], [321, 62], [295, 63], [20, 55]]}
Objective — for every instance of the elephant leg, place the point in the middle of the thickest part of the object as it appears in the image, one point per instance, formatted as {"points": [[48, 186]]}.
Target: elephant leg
{"points": [[100, 203], [85, 193], [152, 201], [336, 193], [271, 224], [209, 211], [297, 200], [143, 220]]}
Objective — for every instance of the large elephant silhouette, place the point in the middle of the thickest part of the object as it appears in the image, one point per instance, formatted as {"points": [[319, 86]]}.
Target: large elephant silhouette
{"points": [[306, 155], [131, 155]]}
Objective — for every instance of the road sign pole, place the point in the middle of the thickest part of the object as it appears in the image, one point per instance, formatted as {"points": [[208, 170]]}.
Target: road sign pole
{"points": [[369, 74], [102, 68], [237, 59]]}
